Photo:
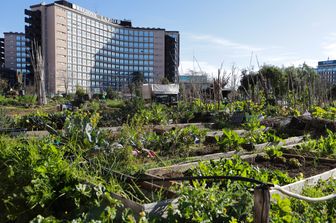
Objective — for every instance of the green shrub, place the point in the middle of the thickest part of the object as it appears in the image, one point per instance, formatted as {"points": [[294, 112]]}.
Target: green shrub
{"points": [[37, 179], [115, 103], [201, 203], [5, 120], [27, 99]]}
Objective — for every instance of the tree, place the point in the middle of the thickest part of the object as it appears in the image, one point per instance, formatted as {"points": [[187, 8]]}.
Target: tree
{"points": [[164, 80], [3, 86], [65, 82], [111, 94], [136, 83], [39, 75]]}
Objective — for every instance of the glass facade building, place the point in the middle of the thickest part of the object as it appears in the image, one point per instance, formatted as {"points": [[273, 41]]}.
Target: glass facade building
{"points": [[85, 49], [327, 70], [15, 55]]}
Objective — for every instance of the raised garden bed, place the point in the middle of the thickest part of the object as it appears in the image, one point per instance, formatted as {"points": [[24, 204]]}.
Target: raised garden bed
{"points": [[297, 187], [146, 189], [194, 161], [13, 131], [308, 166]]}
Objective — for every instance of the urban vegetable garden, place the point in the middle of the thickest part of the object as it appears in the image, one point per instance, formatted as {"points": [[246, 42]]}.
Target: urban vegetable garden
{"points": [[114, 160]]}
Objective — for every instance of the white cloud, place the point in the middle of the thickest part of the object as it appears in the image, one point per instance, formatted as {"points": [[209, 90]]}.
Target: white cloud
{"points": [[329, 45], [210, 69], [222, 42], [212, 50], [298, 62], [187, 65]]}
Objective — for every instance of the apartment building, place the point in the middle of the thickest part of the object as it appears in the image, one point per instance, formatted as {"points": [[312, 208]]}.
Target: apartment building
{"points": [[14, 56], [82, 48], [327, 70]]}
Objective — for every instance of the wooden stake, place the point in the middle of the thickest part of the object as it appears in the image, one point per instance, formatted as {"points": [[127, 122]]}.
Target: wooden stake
{"points": [[261, 204]]}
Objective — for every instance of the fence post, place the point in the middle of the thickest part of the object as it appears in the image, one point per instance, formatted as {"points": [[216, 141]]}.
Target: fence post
{"points": [[261, 204]]}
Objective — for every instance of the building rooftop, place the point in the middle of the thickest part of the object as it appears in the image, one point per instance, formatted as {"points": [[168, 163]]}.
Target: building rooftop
{"points": [[327, 63], [124, 22], [16, 33]]}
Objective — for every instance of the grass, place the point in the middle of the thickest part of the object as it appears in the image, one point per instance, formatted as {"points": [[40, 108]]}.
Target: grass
{"points": [[114, 103], [20, 110]]}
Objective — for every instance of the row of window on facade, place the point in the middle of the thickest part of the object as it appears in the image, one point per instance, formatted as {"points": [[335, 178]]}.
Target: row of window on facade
{"points": [[21, 48], [114, 45], [83, 21], [144, 61], [110, 76], [120, 82], [103, 36], [108, 62], [107, 55], [21, 59], [21, 38], [106, 69]]}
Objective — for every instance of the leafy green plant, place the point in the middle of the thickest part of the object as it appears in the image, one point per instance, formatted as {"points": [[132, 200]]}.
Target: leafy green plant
{"points": [[178, 141], [258, 133], [5, 120], [226, 201], [81, 127], [201, 203], [27, 99], [327, 113], [37, 179], [183, 112], [253, 124], [39, 119], [230, 140], [274, 152], [155, 114], [237, 167], [286, 210], [324, 146]]}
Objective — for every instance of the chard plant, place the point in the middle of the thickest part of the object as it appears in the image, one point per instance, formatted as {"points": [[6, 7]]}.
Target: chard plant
{"points": [[323, 147], [230, 140]]}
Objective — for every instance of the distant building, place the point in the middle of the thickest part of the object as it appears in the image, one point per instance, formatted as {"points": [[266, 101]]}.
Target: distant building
{"points": [[199, 81], [327, 70], [172, 55], [82, 48], [15, 55], [2, 52]]}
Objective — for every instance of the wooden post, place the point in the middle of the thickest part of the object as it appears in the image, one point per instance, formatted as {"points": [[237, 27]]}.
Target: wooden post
{"points": [[219, 89], [261, 204]]}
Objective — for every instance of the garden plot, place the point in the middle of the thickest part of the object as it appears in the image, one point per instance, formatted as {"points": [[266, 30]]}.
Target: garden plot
{"points": [[298, 186], [194, 161], [294, 165], [297, 166], [236, 166]]}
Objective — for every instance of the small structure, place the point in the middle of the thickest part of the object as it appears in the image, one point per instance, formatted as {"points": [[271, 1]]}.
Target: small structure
{"points": [[162, 93]]}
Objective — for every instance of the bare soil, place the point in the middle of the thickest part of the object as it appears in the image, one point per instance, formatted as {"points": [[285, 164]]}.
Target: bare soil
{"points": [[310, 166]]}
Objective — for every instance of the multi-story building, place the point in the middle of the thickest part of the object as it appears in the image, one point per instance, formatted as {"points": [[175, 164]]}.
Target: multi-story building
{"points": [[327, 70], [200, 81], [2, 52], [15, 55], [82, 48]]}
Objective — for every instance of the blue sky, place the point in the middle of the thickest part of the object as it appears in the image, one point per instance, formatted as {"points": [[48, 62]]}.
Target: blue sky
{"points": [[278, 32]]}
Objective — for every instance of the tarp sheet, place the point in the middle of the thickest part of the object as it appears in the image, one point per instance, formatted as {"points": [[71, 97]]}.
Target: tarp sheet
{"points": [[165, 88]]}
